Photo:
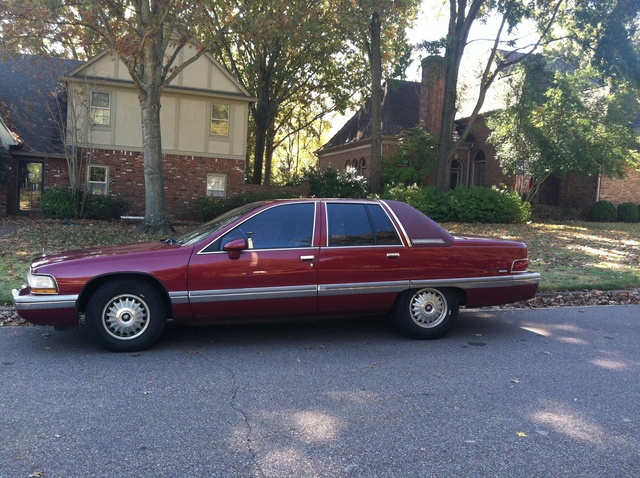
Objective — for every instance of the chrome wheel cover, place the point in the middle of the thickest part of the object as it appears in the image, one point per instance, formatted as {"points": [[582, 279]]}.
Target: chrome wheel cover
{"points": [[125, 317], [428, 308]]}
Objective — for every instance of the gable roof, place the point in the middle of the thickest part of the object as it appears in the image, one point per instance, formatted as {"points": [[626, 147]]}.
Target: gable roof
{"points": [[400, 111], [206, 75], [33, 95]]}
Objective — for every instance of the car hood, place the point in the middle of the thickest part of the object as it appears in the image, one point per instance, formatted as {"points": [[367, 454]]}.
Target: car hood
{"points": [[101, 252]]}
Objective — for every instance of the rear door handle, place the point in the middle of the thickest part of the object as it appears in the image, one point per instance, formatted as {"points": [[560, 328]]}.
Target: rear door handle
{"points": [[307, 258]]}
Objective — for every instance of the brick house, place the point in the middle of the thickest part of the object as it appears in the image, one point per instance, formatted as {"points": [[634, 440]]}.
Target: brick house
{"points": [[60, 109], [408, 104]]}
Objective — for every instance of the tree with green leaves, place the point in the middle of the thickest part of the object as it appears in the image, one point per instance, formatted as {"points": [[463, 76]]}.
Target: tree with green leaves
{"points": [[289, 54], [558, 122], [463, 14], [414, 160], [607, 34], [148, 36]]}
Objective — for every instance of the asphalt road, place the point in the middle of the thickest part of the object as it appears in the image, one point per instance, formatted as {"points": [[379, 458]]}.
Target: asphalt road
{"points": [[509, 393]]}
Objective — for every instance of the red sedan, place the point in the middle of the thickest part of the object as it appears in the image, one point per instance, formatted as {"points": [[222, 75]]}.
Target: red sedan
{"points": [[275, 259]]}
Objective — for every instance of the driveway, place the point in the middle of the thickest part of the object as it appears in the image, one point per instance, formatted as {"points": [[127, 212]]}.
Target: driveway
{"points": [[509, 393]]}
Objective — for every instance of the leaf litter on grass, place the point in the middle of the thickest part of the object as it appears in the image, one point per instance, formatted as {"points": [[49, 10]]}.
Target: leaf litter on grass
{"points": [[605, 256]]}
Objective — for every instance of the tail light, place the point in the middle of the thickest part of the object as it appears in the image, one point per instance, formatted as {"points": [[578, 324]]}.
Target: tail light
{"points": [[520, 265]]}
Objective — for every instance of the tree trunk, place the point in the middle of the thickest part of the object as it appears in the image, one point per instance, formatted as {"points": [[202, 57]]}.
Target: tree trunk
{"points": [[446, 141], [261, 119], [268, 154], [375, 60], [156, 217], [458, 32]]}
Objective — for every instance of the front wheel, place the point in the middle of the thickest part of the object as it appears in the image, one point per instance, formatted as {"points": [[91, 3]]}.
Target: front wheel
{"points": [[126, 315], [426, 313]]}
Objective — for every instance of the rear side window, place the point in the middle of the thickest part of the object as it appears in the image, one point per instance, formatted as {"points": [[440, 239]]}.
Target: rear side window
{"points": [[360, 225]]}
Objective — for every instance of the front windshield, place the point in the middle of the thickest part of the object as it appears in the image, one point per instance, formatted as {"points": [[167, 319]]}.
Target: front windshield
{"points": [[208, 228]]}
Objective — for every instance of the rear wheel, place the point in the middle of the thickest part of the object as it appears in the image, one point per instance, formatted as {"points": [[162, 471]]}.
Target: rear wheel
{"points": [[426, 313], [126, 315]]}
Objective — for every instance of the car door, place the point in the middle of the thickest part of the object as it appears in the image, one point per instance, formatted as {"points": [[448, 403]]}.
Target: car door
{"points": [[276, 275], [364, 263]]}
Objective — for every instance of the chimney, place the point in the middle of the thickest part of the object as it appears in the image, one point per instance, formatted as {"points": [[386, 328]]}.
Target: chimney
{"points": [[432, 94]]}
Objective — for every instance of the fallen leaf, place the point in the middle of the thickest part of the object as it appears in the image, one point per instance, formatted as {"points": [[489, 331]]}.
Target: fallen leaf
{"points": [[521, 434]]}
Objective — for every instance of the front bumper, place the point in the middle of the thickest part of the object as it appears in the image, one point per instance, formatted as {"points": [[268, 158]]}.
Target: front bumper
{"points": [[56, 310]]}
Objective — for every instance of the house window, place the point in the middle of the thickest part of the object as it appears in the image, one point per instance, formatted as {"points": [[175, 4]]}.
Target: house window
{"points": [[479, 161], [362, 168], [456, 173], [98, 180], [217, 185], [347, 165], [219, 120], [100, 107]]}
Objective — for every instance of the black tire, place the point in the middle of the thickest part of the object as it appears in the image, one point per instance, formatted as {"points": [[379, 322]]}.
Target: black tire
{"points": [[126, 315], [426, 313]]}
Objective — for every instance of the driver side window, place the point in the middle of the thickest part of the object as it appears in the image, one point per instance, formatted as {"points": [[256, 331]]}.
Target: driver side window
{"points": [[280, 227]]}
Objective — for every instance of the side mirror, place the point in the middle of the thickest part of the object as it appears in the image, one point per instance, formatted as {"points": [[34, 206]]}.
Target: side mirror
{"points": [[235, 248]]}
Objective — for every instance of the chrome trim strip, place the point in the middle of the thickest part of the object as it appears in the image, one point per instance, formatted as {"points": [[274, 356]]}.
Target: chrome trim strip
{"points": [[38, 302], [480, 282], [258, 293], [328, 290], [177, 298], [428, 241], [325, 290]]}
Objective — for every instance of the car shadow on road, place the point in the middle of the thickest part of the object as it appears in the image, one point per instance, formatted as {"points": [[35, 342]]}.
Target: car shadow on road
{"points": [[474, 327], [470, 324]]}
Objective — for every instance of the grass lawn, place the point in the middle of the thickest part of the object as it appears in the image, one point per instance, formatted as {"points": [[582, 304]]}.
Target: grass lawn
{"points": [[572, 256]]}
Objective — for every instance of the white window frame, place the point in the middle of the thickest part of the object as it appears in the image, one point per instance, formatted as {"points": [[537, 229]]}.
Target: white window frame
{"points": [[220, 121], [93, 186], [216, 185], [93, 109]]}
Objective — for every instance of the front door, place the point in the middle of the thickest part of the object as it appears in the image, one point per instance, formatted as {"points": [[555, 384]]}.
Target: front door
{"points": [[276, 275], [30, 185]]}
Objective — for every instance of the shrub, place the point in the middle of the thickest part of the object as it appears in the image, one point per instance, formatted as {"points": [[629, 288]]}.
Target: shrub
{"points": [[478, 204], [241, 200], [488, 205], [603, 211], [334, 183], [628, 212], [208, 208], [426, 199], [104, 207], [58, 203]]}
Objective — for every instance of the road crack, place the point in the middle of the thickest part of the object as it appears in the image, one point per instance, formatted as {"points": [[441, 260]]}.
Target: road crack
{"points": [[245, 418]]}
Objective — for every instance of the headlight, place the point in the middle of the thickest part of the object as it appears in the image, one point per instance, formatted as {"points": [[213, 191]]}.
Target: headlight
{"points": [[42, 284]]}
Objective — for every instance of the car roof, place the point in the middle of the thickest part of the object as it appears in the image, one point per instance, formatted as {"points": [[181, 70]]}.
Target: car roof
{"points": [[418, 227]]}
